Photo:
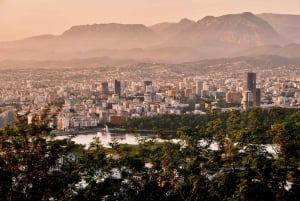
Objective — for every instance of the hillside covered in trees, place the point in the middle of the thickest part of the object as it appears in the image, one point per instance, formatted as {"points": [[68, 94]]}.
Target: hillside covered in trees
{"points": [[253, 155]]}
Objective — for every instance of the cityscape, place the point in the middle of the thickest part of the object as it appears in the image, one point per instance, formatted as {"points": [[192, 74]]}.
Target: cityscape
{"points": [[84, 98], [149, 100]]}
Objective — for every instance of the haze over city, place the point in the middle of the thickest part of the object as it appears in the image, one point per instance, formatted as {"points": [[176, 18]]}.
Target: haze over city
{"points": [[25, 18], [165, 100]]}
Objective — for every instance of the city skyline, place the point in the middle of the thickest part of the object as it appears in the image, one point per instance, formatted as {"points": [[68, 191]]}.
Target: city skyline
{"points": [[20, 19]]}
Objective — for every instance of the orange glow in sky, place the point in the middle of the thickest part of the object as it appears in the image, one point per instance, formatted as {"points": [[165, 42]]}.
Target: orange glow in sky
{"points": [[24, 18]]}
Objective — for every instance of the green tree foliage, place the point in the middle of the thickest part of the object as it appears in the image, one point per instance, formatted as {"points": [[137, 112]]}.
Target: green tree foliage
{"points": [[251, 155], [34, 166], [246, 156]]}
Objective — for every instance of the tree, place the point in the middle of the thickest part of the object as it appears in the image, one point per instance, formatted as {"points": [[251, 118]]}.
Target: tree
{"points": [[34, 165], [286, 138]]}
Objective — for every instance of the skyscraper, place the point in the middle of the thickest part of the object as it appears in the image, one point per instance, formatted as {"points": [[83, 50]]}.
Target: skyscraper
{"points": [[257, 96], [104, 87], [250, 84], [251, 95], [117, 88], [199, 87], [146, 83]]}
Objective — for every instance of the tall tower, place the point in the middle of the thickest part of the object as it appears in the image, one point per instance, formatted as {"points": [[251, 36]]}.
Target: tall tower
{"points": [[117, 88], [257, 96], [104, 87], [250, 84], [146, 83], [251, 95], [199, 87]]}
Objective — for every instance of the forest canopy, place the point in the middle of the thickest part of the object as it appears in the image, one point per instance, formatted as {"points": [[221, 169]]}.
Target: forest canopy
{"points": [[253, 155]]}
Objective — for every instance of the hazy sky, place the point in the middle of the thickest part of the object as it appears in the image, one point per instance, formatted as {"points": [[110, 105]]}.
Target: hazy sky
{"points": [[23, 18]]}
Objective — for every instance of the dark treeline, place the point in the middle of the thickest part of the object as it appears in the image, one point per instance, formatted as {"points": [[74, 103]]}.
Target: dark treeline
{"points": [[256, 120], [253, 155]]}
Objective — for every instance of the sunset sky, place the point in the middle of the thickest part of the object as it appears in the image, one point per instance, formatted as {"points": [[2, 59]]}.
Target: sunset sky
{"points": [[23, 18]]}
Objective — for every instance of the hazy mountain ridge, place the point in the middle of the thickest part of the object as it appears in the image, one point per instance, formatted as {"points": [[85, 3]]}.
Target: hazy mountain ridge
{"points": [[137, 68], [291, 50], [286, 25], [160, 27], [262, 60], [169, 30], [241, 30], [117, 36], [204, 67], [70, 63], [230, 35], [158, 54], [86, 37]]}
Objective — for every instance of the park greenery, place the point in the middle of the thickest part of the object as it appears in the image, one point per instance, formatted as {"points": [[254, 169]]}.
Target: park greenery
{"points": [[234, 155]]}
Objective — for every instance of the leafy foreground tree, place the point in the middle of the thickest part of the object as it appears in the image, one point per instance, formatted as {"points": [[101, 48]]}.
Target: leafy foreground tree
{"points": [[35, 166], [244, 156], [247, 156]]}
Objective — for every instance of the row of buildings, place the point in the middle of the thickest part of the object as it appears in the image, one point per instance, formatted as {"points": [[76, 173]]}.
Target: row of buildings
{"points": [[87, 103]]}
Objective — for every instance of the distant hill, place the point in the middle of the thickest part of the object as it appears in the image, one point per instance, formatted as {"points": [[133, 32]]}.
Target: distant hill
{"points": [[96, 62], [70, 63], [291, 50], [230, 35], [169, 30], [262, 60], [148, 68], [161, 27], [112, 36], [86, 37], [241, 30], [236, 63], [286, 25]]}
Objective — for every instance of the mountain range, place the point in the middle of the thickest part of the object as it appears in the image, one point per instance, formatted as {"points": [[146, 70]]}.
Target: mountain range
{"points": [[229, 35]]}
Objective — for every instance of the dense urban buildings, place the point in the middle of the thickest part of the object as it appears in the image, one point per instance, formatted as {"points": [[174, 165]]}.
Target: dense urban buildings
{"points": [[84, 98]]}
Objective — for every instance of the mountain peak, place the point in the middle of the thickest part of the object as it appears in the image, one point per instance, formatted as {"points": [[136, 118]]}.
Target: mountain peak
{"points": [[248, 14], [244, 29], [186, 21], [40, 37], [245, 15], [207, 20], [209, 37], [285, 24], [102, 28], [168, 30]]}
